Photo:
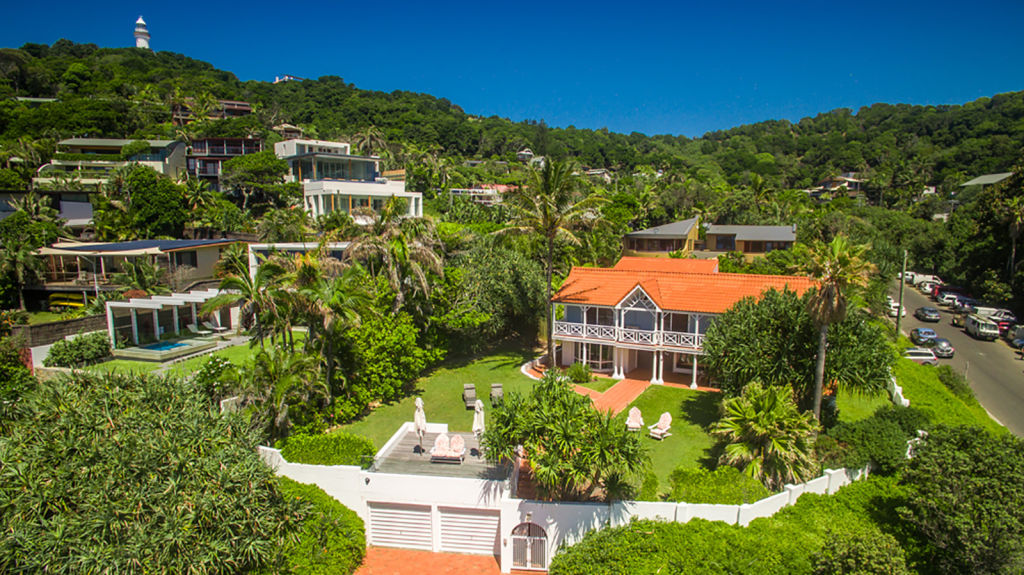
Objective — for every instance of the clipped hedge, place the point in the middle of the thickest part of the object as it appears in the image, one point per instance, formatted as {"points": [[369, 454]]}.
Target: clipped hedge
{"points": [[79, 351], [725, 485], [338, 448], [787, 543], [880, 440], [331, 539]]}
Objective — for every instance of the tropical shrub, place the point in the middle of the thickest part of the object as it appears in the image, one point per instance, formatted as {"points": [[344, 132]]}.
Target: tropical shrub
{"points": [[387, 355], [337, 448], [966, 500], [648, 487], [773, 339], [574, 449], [955, 383], [135, 474], [848, 553], [15, 380], [216, 377], [725, 485], [766, 436], [78, 351], [579, 373], [880, 440], [331, 538]]}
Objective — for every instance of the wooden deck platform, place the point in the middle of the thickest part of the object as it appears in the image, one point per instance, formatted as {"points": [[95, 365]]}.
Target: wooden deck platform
{"points": [[406, 457]]}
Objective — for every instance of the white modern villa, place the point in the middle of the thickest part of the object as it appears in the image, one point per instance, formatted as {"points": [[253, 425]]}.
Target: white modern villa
{"points": [[335, 180], [648, 315]]}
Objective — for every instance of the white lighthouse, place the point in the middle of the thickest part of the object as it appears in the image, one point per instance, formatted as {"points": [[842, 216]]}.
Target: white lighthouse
{"points": [[141, 34]]}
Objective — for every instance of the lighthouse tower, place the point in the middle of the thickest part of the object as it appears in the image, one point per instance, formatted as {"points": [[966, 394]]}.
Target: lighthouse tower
{"points": [[141, 34]]}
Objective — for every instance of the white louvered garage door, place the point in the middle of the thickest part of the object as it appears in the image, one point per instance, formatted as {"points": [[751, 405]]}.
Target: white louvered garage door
{"points": [[394, 525], [469, 530]]}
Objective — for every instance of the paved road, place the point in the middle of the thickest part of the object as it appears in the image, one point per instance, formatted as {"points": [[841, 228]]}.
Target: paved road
{"points": [[995, 374]]}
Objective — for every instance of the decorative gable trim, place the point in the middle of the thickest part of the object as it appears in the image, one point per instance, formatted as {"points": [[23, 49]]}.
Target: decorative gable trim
{"points": [[639, 300]]}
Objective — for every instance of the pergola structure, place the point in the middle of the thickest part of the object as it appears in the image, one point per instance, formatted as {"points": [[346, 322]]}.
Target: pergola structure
{"points": [[173, 311]]}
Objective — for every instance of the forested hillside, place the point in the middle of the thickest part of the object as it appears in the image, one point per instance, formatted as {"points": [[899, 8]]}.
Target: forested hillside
{"points": [[127, 92]]}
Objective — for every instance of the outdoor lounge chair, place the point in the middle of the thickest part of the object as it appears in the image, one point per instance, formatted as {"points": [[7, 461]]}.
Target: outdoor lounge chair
{"points": [[635, 420], [469, 395], [192, 328], [216, 328], [447, 450], [660, 430], [497, 394]]}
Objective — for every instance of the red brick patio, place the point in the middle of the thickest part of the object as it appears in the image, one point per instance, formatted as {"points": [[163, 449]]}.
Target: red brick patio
{"points": [[388, 561]]}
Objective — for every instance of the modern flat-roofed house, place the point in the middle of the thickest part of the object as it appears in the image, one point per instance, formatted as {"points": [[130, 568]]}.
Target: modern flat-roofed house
{"points": [[751, 241], [646, 318], [206, 156], [91, 160], [681, 236], [335, 180]]}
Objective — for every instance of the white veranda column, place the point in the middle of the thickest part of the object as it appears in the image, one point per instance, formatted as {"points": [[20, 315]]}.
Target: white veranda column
{"points": [[174, 312], [654, 367], [156, 324], [135, 326], [110, 327], [693, 376]]}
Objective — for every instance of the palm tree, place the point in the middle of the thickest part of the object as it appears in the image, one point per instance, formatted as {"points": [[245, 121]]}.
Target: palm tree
{"points": [[141, 275], [284, 225], [277, 378], [1013, 211], [21, 262], [766, 435], [333, 306], [254, 294], [405, 247], [549, 209], [839, 267], [370, 140]]}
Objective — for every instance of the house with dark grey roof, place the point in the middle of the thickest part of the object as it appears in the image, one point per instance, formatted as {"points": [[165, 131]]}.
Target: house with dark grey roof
{"points": [[86, 163], [678, 236], [751, 241]]}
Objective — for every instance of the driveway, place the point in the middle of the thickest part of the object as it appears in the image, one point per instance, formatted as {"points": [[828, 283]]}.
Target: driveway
{"points": [[991, 367]]}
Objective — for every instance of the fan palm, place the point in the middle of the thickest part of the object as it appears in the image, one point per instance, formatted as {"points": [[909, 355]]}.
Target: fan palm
{"points": [[255, 296], [766, 435], [22, 264], [549, 209], [370, 140], [839, 267], [142, 275]]}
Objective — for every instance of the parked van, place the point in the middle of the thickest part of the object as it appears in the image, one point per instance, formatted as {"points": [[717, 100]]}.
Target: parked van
{"points": [[981, 328], [921, 278]]}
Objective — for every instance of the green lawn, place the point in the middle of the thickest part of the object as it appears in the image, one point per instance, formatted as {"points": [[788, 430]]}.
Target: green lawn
{"points": [[43, 317], [123, 366], [922, 387], [441, 391], [689, 445], [601, 383], [854, 407]]}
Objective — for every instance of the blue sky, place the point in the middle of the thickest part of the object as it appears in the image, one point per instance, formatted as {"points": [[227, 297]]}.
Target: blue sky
{"points": [[676, 67]]}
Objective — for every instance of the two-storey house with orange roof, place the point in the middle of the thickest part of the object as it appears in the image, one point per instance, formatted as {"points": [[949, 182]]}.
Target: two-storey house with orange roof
{"points": [[645, 316]]}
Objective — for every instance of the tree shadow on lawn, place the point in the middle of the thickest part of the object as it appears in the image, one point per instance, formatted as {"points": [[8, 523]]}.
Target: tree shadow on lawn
{"points": [[704, 409]]}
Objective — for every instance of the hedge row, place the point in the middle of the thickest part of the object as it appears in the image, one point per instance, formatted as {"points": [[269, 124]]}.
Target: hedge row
{"points": [[331, 540], [725, 486], [338, 448], [79, 351]]}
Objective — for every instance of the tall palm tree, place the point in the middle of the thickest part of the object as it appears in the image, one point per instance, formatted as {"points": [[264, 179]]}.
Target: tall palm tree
{"points": [[405, 248], [550, 209], [1013, 211], [766, 435], [141, 275], [333, 305], [839, 267], [21, 262], [254, 294]]}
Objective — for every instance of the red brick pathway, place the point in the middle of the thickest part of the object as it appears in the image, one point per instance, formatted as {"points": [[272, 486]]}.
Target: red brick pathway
{"points": [[388, 561]]}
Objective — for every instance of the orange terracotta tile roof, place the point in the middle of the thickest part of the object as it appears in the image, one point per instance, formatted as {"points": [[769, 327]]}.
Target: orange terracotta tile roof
{"points": [[678, 291], [668, 265]]}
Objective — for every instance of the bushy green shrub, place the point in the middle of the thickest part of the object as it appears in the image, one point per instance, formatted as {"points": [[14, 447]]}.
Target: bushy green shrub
{"points": [[79, 351], [388, 357], [955, 383], [847, 553], [725, 485], [331, 539], [649, 487], [338, 448], [214, 375], [579, 373], [880, 439]]}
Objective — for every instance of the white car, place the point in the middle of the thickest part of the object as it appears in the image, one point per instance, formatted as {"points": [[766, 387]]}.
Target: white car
{"points": [[895, 308]]}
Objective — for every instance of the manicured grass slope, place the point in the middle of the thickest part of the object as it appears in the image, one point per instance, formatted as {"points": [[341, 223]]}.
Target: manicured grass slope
{"points": [[601, 383], [689, 445], [922, 387], [854, 407], [123, 366], [441, 391]]}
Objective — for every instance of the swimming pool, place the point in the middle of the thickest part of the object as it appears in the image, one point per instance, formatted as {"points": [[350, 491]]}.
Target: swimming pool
{"points": [[163, 345]]}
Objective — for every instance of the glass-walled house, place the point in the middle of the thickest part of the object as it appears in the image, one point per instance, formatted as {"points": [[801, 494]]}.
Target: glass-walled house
{"points": [[335, 180], [647, 318]]}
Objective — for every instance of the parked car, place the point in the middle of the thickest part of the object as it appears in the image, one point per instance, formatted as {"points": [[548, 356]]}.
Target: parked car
{"points": [[1004, 326], [948, 298], [921, 355], [1003, 315], [927, 313], [1015, 332], [964, 304], [921, 278], [922, 335], [926, 287], [939, 290], [981, 328], [894, 309], [907, 277], [943, 348]]}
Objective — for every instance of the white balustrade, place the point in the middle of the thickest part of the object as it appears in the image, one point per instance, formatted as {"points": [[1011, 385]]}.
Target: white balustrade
{"points": [[684, 340]]}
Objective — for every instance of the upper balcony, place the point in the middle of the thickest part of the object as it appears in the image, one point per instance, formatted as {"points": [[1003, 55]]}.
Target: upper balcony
{"points": [[683, 341]]}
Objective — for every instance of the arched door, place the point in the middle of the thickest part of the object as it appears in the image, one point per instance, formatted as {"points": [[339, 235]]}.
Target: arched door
{"points": [[529, 547]]}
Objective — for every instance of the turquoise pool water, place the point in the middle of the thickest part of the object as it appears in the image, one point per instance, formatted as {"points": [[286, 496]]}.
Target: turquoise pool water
{"points": [[163, 345]]}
